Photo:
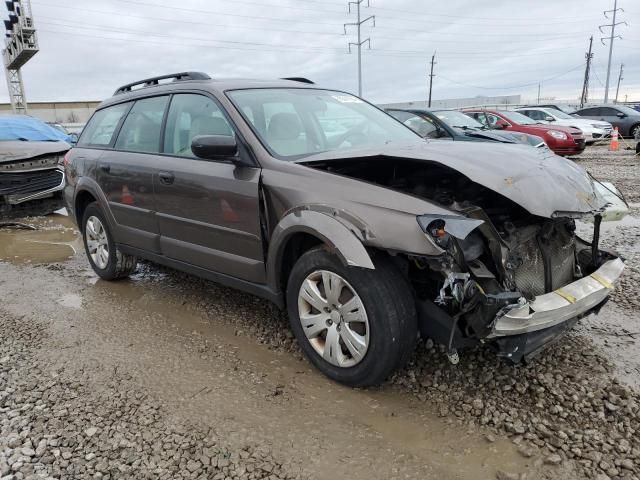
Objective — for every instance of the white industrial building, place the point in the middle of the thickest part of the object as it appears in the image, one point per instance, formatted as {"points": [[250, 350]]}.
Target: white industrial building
{"points": [[57, 112]]}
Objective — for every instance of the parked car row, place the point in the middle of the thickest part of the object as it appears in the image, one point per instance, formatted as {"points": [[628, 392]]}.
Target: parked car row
{"points": [[365, 233], [492, 125], [624, 118]]}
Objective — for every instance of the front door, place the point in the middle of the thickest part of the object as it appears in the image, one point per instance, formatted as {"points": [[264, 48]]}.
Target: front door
{"points": [[207, 211]]}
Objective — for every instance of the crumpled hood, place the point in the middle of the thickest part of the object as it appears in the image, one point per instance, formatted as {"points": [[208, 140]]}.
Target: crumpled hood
{"points": [[539, 181], [18, 150]]}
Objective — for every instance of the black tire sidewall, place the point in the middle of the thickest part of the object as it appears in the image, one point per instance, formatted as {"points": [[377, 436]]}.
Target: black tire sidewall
{"points": [[108, 273], [392, 322]]}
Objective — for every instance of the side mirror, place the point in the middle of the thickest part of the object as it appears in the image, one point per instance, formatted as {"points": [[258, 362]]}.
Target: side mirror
{"points": [[620, 115], [500, 125], [549, 118], [73, 138], [214, 146]]}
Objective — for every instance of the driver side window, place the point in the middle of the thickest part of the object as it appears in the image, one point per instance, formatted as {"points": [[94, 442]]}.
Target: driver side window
{"points": [[191, 115], [492, 119]]}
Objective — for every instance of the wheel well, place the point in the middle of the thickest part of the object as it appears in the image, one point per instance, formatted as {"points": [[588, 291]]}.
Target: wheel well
{"points": [[83, 199], [296, 246]]}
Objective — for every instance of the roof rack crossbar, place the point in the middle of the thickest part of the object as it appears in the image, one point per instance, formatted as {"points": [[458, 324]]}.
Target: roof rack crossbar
{"points": [[299, 79], [149, 82]]}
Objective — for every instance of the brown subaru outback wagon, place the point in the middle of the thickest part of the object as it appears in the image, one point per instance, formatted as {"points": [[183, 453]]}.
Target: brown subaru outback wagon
{"points": [[327, 206]]}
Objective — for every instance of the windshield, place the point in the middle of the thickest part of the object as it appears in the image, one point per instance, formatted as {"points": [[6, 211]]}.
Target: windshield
{"points": [[518, 118], [457, 119], [558, 114], [296, 122]]}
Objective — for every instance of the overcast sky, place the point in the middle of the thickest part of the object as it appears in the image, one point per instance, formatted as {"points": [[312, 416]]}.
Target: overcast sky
{"points": [[89, 47]]}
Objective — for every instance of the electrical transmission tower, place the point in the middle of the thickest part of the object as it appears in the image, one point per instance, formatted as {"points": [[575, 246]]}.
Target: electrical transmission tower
{"points": [[358, 24], [584, 98], [620, 78], [21, 44], [431, 75], [613, 35]]}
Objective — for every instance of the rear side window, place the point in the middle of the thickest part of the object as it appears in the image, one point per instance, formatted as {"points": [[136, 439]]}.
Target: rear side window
{"points": [[99, 131], [589, 112], [608, 112], [191, 115], [142, 127]]}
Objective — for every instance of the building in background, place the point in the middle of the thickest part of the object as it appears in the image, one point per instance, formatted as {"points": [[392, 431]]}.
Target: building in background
{"points": [[57, 112], [505, 100]]}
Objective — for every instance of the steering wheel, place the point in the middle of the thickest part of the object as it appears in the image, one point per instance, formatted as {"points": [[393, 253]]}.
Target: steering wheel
{"points": [[356, 135]]}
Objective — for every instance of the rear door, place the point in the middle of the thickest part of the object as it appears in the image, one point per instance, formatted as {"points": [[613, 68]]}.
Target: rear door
{"points": [[207, 210], [126, 173]]}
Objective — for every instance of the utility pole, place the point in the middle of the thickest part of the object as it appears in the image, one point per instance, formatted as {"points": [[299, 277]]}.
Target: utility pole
{"points": [[431, 75], [358, 24], [613, 35], [619, 79], [584, 98], [538, 94]]}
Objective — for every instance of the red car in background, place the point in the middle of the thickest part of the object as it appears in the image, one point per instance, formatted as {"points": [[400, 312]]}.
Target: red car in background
{"points": [[562, 140]]}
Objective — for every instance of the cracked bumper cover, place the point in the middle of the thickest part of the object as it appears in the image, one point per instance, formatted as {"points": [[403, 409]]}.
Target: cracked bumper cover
{"points": [[560, 306]]}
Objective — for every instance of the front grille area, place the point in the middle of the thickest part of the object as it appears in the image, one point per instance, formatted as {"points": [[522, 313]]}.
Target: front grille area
{"points": [[529, 276], [23, 183]]}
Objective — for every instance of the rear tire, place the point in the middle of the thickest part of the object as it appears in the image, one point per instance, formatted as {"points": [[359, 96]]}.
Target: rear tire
{"points": [[105, 258], [360, 335]]}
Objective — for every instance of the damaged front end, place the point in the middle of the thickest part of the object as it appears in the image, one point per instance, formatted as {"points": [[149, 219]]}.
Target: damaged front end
{"points": [[31, 178], [512, 272], [516, 288]]}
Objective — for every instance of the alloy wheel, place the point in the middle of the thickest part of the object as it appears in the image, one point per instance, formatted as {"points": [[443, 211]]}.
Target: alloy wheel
{"points": [[97, 243], [333, 318]]}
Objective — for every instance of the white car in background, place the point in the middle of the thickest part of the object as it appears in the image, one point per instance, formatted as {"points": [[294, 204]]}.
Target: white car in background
{"points": [[593, 130]]}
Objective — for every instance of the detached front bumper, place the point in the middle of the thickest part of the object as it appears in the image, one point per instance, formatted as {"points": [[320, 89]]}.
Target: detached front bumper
{"points": [[537, 323]]}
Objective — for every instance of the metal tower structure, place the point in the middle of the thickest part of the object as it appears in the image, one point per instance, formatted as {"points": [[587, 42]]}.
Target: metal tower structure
{"points": [[613, 36], [21, 43], [360, 42]]}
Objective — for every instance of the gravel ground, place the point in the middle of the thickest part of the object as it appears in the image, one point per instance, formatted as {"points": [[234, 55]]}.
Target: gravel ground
{"points": [[57, 423], [573, 413]]}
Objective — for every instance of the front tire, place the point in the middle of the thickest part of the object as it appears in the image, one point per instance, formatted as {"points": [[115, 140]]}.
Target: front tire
{"points": [[105, 258], [356, 325]]}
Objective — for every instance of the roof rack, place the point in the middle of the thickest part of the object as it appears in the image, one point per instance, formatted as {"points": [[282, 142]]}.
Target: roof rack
{"points": [[149, 82], [299, 79]]}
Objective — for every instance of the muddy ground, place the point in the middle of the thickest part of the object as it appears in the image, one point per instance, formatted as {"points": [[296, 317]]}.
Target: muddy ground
{"points": [[168, 376]]}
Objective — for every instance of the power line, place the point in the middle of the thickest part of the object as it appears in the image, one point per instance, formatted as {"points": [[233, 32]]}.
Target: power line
{"points": [[514, 86], [297, 20], [377, 52]]}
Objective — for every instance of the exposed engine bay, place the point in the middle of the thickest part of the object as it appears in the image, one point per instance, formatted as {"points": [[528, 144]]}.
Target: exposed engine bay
{"points": [[497, 256]]}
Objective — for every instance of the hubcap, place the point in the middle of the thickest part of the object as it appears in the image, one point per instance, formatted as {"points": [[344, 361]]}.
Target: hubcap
{"points": [[333, 318], [97, 242]]}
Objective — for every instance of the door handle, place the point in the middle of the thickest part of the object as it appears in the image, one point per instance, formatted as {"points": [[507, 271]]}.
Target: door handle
{"points": [[106, 168], [166, 177]]}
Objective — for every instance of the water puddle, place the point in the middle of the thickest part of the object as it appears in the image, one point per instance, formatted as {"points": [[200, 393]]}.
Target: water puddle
{"points": [[71, 300], [55, 239]]}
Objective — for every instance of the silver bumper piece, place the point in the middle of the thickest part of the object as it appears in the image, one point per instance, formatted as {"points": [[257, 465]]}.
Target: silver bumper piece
{"points": [[563, 304]]}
